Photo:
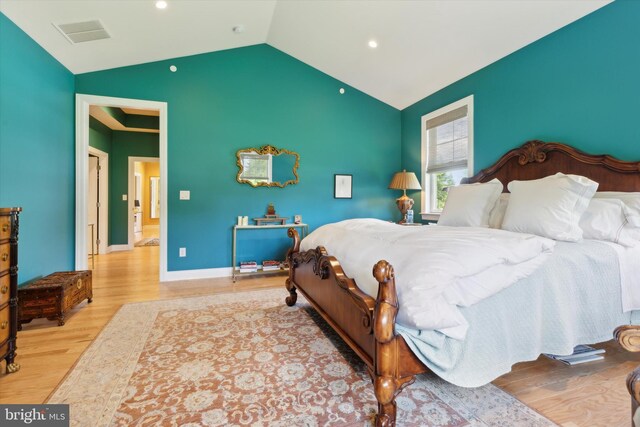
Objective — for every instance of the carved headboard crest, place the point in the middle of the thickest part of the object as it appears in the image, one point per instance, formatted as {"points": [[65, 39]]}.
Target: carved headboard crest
{"points": [[532, 151], [537, 159]]}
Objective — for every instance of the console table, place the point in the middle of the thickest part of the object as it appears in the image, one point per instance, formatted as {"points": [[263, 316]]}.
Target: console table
{"points": [[304, 230]]}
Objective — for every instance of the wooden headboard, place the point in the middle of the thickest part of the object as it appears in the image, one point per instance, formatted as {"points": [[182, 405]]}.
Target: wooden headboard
{"points": [[537, 159]]}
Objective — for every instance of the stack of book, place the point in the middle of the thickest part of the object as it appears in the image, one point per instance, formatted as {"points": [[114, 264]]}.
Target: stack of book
{"points": [[270, 265], [581, 354], [248, 267]]}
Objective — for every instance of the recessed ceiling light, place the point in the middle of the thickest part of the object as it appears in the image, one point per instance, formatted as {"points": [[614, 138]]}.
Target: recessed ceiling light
{"points": [[373, 44], [161, 4], [173, 68], [341, 91]]}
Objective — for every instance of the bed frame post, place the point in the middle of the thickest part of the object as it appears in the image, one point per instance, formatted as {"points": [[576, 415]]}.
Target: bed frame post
{"points": [[293, 296], [628, 336], [386, 381]]}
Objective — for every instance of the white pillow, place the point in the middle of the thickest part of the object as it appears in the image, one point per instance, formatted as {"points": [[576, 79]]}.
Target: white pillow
{"points": [[469, 205], [611, 220], [630, 199], [549, 207], [497, 213]]}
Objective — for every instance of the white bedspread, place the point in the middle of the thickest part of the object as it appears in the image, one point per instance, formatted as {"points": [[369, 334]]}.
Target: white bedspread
{"points": [[437, 268], [574, 298], [629, 260]]}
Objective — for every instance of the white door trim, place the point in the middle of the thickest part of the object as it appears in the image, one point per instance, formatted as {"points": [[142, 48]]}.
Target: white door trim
{"points": [[103, 228], [132, 193], [83, 102]]}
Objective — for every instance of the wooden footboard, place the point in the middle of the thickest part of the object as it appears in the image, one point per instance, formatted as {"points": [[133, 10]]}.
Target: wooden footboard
{"points": [[366, 324], [628, 337]]}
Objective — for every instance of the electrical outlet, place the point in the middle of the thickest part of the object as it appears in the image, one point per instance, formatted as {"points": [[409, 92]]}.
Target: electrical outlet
{"points": [[183, 252], [185, 195], [124, 197]]}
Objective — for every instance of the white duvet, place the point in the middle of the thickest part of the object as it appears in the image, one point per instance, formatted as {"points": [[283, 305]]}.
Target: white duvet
{"points": [[437, 268]]}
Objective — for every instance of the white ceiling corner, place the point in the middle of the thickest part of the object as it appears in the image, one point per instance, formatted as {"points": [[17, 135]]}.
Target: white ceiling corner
{"points": [[423, 45]]}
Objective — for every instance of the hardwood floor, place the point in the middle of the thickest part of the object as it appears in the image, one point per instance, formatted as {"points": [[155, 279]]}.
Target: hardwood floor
{"points": [[584, 395]]}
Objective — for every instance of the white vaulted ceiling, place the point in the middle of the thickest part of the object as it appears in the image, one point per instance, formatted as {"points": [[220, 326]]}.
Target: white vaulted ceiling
{"points": [[422, 45]]}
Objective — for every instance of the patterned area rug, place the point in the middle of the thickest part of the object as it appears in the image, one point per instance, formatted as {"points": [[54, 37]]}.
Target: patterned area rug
{"points": [[152, 241], [248, 359]]}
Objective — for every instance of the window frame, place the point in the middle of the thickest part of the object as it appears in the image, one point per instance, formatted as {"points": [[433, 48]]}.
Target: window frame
{"points": [[427, 193]]}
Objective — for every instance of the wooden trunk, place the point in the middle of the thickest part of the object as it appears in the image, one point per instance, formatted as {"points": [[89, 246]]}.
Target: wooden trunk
{"points": [[53, 296], [9, 286]]}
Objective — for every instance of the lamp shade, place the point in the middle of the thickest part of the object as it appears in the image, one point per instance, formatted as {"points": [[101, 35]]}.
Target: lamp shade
{"points": [[405, 181]]}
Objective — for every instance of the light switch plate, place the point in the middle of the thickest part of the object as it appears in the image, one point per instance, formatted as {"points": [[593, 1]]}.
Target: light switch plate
{"points": [[183, 252], [124, 197], [185, 195]]}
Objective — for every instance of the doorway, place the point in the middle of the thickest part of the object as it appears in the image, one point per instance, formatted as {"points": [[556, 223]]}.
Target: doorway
{"points": [[83, 105], [145, 193]]}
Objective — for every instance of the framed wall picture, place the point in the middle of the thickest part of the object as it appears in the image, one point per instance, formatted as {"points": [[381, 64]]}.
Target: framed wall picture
{"points": [[342, 186]]}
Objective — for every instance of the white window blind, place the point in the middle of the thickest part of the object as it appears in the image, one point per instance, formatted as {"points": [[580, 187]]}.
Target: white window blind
{"points": [[448, 141]]}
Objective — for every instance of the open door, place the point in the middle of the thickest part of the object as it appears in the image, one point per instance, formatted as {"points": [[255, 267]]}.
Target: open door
{"points": [[93, 214]]}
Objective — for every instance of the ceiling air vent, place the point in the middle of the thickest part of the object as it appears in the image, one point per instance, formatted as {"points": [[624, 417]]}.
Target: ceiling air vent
{"points": [[79, 32]]}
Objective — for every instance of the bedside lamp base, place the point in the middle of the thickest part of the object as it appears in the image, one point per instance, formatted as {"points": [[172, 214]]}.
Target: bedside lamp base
{"points": [[404, 203]]}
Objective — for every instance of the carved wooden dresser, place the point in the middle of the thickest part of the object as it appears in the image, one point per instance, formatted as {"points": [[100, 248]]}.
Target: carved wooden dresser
{"points": [[9, 286], [53, 296]]}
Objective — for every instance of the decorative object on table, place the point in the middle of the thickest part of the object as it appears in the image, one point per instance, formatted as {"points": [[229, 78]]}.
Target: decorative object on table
{"points": [[9, 226], [248, 267], [297, 219], [409, 216], [342, 186], [267, 166], [245, 220], [53, 296], [271, 211], [271, 265], [239, 221], [404, 181], [270, 217], [274, 220]]}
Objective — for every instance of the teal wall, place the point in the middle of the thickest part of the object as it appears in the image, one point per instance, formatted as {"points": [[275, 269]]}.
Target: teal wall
{"points": [[120, 145], [99, 136], [125, 145], [37, 151], [579, 85], [224, 101]]}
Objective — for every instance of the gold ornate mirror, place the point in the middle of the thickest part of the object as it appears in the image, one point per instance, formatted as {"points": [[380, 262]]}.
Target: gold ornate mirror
{"points": [[267, 166]]}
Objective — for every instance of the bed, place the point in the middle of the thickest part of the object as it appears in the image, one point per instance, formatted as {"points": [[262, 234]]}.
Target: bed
{"points": [[368, 324]]}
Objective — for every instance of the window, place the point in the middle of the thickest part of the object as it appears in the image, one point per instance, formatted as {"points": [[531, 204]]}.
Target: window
{"points": [[447, 153]]}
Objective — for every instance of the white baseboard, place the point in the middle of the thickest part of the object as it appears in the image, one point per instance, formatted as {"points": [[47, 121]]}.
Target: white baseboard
{"points": [[117, 248], [205, 273]]}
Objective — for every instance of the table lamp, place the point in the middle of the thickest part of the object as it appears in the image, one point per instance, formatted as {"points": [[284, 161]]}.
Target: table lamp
{"points": [[404, 181]]}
